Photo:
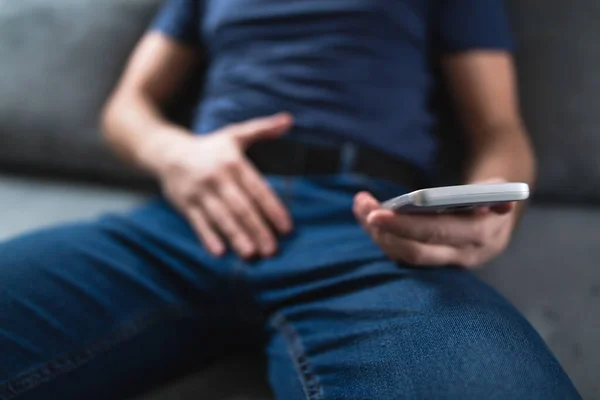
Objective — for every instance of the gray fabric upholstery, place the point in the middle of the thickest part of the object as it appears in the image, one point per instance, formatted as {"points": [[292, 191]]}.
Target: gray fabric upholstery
{"points": [[60, 60], [28, 204], [558, 59]]}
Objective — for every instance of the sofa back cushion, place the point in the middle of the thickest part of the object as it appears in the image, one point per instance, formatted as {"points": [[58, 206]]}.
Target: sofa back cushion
{"points": [[558, 59], [59, 62]]}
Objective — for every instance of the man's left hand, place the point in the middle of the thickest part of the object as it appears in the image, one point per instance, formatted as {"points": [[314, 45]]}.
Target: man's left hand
{"points": [[467, 239]]}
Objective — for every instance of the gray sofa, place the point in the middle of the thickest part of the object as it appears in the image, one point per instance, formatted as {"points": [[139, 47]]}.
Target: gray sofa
{"points": [[60, 58]]}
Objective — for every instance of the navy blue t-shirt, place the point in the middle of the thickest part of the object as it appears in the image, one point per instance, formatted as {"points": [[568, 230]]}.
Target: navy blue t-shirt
{"points": [[346, 69]]}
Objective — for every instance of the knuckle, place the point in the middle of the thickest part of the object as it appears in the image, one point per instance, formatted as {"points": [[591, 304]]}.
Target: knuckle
{"points": [[379, 237], [221, 221], [270, 208], [415, 255], [243, 207], [272, 205], [432, 235], [266, 236], [248, 218], [187, 196], [264, 239], [256, 189], [263, 230], [231, 165], [187, 201], [233, 234], [240, 211], [241, 241], [478, 241], [386, 239], [203, 231], [209, 178]]}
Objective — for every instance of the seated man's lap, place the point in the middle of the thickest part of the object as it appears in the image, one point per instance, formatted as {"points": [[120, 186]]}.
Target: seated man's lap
{"points": [[344, 321], [356, 325]]}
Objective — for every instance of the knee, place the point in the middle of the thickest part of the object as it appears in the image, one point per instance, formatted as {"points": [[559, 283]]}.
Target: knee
{"points": [[468, 353], [494, 349]]}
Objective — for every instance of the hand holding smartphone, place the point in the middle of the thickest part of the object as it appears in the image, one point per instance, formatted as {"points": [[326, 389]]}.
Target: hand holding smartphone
{"points": [[460, 198]]}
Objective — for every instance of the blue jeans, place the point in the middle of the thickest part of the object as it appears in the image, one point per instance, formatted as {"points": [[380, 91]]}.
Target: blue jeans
{"points": [[99, 309]]}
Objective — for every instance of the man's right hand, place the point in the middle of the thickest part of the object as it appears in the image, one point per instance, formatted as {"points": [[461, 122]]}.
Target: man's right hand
{"points": [[225, 199]]}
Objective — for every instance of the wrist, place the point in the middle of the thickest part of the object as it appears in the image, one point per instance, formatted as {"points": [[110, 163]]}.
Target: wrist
{"points": [[154, 154], [507, 160]]}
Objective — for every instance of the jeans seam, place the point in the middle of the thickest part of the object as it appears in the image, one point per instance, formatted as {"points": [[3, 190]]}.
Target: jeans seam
{"points": [[70, 361], [295, 348]]}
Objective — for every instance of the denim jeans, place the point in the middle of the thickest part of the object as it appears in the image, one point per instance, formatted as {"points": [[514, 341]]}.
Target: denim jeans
{"points": [[102, 308]]}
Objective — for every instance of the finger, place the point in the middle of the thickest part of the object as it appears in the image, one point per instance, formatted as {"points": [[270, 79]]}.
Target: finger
{"points": [[418, 253], [261, 128], [246, 212], [489, 180], [223, 220], [209, 238], [452, 230], [364, 204], [265, 198], [503, 208], [481, 210]]}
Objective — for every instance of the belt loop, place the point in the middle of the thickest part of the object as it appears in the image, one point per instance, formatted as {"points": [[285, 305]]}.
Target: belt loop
{"points": [[348, 153]]}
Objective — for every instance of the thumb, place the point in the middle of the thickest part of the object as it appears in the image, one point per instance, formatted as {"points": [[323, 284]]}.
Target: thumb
{"points": [[364, 204], [261, 128]]}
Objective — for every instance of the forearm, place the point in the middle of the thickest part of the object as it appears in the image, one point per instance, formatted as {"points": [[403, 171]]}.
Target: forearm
{"points": [[507, 154], [136, 130]]}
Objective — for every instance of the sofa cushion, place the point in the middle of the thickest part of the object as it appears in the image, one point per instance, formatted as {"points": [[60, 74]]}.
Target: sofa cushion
{"points": [[29, 204], [558, 57], [60, 60]]}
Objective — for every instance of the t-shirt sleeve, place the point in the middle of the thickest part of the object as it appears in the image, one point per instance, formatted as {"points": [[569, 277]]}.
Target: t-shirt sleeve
{"points": [[474, 24], [180, 20]]}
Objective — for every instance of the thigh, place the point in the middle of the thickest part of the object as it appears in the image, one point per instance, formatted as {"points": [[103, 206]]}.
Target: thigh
{"points": [[383, 331], [103, 307], [347, 323]]}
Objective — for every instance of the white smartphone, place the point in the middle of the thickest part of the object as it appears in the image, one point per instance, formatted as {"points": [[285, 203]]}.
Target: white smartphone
{"points": [[459, 198]]}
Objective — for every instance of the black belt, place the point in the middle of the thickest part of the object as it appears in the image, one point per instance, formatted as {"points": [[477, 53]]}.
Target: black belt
{"points": [[294, 158]]}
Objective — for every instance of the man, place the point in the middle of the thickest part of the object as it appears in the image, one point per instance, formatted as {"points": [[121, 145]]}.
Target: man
{"points": [[329, 100]]}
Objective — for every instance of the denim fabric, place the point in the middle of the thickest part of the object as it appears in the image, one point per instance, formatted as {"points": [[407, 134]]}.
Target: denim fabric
{"points": [[104, 308]]}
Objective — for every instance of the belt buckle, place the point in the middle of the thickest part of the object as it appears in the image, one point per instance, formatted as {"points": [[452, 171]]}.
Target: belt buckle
{"points": [[347, 159]]}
